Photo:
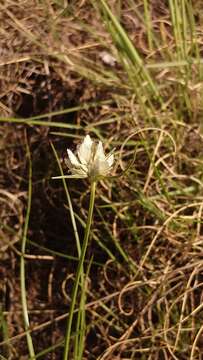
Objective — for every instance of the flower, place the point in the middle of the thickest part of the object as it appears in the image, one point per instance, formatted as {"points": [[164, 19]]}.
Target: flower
{"points": [[90, 160]]}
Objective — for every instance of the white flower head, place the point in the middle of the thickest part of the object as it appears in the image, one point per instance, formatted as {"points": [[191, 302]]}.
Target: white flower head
{"points": [[90, 160]]}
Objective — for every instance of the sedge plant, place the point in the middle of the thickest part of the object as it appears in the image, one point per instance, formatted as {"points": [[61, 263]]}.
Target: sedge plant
{"points": [[89, 162]]}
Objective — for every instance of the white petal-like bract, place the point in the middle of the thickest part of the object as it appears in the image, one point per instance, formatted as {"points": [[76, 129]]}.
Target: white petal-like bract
{"points": [[99, 154], [84, 150], [72, 158], [90, 160], [110, 160]]}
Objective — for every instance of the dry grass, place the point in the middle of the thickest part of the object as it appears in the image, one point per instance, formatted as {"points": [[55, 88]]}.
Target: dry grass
{"points": [[144, 289]]}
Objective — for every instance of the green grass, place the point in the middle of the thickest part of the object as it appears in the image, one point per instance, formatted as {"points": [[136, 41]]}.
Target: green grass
{"points": [[137, 295], [22, 264]]}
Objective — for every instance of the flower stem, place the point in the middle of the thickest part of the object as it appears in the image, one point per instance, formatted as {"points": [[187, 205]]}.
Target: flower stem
{"points": [[22, 265], [78, 273]]}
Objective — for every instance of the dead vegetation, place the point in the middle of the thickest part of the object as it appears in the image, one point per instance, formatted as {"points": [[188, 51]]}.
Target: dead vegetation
{"points": [[144, 289]]}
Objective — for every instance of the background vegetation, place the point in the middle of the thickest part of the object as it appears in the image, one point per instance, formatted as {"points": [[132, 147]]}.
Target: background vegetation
{"points": [[130, 74]]}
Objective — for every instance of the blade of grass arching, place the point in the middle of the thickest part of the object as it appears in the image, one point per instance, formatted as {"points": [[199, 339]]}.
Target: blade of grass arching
{"points": [[49, 350], [93, 129], [36, 120], [22, 262], [126, 45], [52, 252], [65, 134], [59, 254], [39, 122], [84, 106]]}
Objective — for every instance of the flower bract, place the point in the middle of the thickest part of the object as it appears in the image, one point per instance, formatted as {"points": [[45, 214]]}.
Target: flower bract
{"points": [[90, 160]]}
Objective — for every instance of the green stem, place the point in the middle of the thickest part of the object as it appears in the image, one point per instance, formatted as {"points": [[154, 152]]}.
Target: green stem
{"points": [[22, 266], [78, 273]]}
